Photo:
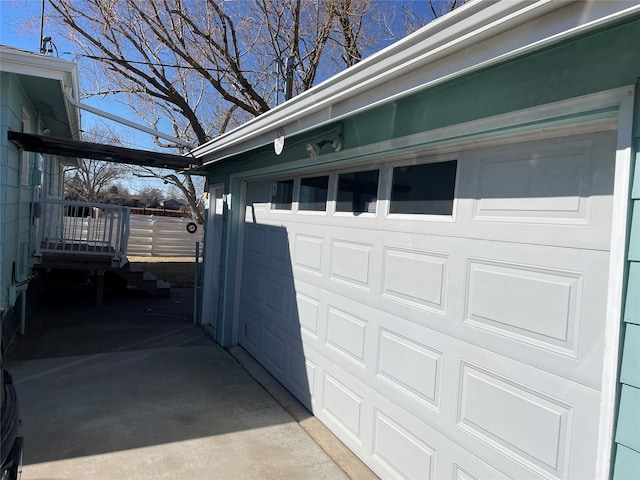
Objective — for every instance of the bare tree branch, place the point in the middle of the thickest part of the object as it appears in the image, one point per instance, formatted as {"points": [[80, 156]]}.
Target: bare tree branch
{"points": [[206, 66]]}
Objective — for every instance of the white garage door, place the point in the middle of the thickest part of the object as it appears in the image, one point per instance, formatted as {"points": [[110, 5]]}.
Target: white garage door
{"points": [[444, 316]]}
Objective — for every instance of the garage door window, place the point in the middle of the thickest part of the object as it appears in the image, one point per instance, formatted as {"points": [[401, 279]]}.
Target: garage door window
{"points": [[281, 195], [426, 189], [313, 193], [357, 192]]}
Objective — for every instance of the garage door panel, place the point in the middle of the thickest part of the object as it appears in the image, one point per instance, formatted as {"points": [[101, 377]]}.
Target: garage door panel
{"points": [[410, 367], [256, 241], [278, 299], [513, 418], [273, 352], [416, 277], [406, 455], [558, 193], [536, 186], [549, 300], [301, 376], [278, 251], [451, 447], [537, 419], [580, 364], [351, 263], [462, 347], [540, 404], [473, 469], [540, 306], [250, 330], [308, 253], [343, 405], [346, 335], [415, 368], [253, 285], [307, 309]]}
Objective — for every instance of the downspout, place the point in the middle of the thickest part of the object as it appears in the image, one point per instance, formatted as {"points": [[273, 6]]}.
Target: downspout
{"points": [[124, 121]]}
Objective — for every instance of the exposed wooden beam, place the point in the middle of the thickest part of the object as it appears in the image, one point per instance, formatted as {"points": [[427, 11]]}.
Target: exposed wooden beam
{"points": [[108, 153]]}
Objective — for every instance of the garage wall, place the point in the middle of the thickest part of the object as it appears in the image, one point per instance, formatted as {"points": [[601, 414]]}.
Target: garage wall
{"points": [[432, 117]]}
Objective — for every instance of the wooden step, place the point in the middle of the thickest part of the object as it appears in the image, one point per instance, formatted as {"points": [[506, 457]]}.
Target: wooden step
{"points": [[135, 275]]}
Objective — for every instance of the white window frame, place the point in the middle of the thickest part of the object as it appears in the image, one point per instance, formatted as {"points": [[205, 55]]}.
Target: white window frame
{"points": [[422, 217], [361, 168]]}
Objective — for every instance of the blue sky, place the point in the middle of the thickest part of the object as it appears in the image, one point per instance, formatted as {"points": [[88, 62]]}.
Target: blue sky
{"points": [[20, 23], [14, 14]]}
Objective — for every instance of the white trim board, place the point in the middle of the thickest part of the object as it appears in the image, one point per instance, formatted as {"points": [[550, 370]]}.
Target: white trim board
{"points": [[617, 265], [530, 124]]}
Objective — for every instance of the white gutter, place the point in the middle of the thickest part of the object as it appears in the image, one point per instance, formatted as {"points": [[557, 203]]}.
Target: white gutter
{"points": [[477, 35], [126, 122]]}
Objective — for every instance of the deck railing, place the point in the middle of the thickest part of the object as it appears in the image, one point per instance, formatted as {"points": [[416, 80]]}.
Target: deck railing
{"points": [[81, 228]]}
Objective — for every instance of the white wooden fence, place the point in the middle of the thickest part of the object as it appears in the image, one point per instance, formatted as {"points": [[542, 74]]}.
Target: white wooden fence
{"points": [[151, 236]]}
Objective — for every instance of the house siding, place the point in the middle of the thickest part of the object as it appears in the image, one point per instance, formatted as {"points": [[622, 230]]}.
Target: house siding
{"points": [[627, 435], [16, 227]]}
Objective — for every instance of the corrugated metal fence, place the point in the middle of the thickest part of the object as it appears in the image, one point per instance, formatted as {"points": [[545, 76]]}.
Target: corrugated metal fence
{"points": [[152, 236]]}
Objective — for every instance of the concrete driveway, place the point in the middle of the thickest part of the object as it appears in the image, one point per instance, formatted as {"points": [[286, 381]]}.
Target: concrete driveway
{"points": [[133, 390]]}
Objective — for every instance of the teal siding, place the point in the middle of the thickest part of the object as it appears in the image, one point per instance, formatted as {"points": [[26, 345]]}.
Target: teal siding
{"points": [[627, 435], [16, 225], [634, 240], [627, 464], [629, 424], [630, 374]]}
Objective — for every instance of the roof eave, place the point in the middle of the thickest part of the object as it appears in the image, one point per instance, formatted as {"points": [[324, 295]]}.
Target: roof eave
{"points": [[22, 62], [380, 77]]}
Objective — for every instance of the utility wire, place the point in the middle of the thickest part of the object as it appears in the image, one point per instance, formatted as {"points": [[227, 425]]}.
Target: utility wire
{"points": [[168, 65]]}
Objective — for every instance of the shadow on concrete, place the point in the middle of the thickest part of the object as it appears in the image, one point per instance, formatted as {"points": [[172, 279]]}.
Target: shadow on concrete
{"points": [[134, 374], [66, 321]]}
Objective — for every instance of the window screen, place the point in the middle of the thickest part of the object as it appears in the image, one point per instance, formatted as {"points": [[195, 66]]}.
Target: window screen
{"points": [[357, 192], [313, 194], [426, 189], [281, 195]]}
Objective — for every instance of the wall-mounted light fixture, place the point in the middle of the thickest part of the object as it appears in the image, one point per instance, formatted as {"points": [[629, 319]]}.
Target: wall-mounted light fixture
{"points": [[313, 149]]}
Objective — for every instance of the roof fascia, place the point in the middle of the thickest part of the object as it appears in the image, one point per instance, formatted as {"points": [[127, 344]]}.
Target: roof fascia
{"points": [[22, 62], [432, 50]]}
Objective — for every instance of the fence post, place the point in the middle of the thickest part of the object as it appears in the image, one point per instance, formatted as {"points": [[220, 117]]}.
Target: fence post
{"points": [[196, 285], [153, 236]]}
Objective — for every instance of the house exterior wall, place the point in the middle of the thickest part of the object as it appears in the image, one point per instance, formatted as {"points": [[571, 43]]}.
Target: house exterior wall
{"points": [[591, 63], [627, 457], [23, 177], [17, 190]]}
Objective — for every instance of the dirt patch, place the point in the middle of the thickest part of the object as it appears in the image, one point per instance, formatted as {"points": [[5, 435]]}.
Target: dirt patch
{"points": [[179, 272]]}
